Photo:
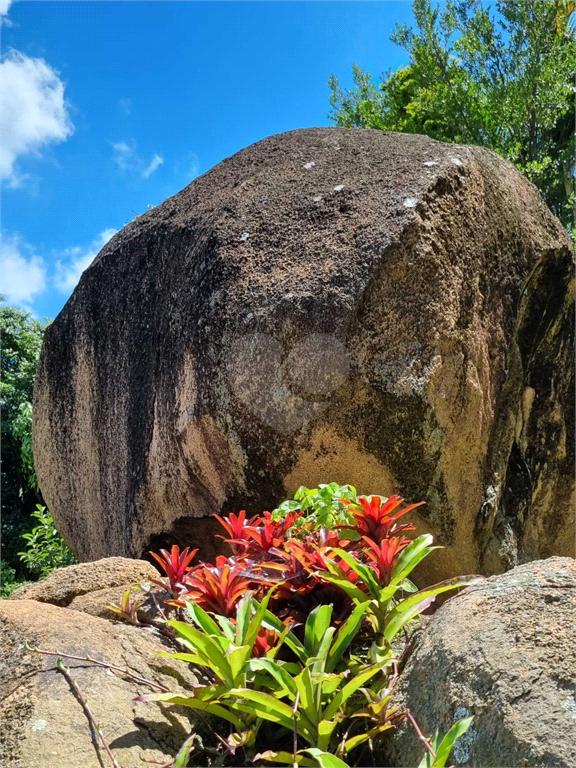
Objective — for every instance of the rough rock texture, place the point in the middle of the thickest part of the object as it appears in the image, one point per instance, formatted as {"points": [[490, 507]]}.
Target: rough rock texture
{"points": [[95, 603], [504, 652], [327, 304], [65, 585], [44, 725]]}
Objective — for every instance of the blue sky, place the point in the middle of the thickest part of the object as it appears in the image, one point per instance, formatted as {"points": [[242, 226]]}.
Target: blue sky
{"points": [[108, 107]]}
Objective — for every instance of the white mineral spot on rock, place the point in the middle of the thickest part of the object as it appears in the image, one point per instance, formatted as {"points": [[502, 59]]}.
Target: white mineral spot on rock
{"points": [[461, 749], [410, 202], [570, 707], [430, 163], [244, 236], [39, 725], [317, 198], [308, 166], [457, 161], [338, 187], [250, 315]]}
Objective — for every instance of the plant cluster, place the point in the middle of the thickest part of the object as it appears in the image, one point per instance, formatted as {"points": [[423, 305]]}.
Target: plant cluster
{"points": [[303, 626], [46, 549]]}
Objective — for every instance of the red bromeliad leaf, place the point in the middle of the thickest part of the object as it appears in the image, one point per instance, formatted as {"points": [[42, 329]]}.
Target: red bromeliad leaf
{"points": [[295, 577], [238, 529], [374, 518], [266, 639], [217, 588], [327, 539], [309, 554], [269, 533], [383, 556], [175, 565]]}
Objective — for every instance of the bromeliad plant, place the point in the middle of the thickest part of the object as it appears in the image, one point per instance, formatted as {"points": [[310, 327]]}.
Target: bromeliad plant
{"points": [[300, 627], [175, 565], [312, 696], [377, 582]]}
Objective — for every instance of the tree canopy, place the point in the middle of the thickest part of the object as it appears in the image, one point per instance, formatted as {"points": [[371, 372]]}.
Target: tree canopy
{"points": [[500, 77], [21, 342]]}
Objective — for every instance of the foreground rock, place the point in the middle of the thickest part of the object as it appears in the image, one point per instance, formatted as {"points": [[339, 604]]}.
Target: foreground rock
{"points": [[66, 586], [44, 725], [327, 304], [505, 653]]}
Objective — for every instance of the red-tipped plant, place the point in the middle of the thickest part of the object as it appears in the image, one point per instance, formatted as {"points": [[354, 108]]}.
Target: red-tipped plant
{"points": [[238, 530], [175, 564], [383, 556], [270, 533], [266, 639], [373, 516], [127, 609], [217, 588]]}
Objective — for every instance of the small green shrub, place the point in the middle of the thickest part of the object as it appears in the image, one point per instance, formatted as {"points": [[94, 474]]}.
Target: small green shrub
{"points": [[322, 507], [46, 549], [9, 580]]}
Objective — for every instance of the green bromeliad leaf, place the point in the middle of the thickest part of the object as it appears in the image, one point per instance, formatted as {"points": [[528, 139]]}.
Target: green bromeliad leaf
{"points": [[443, 746], [416, 603]]}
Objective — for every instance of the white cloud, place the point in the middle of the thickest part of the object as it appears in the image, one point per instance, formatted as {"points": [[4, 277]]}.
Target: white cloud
{"points": [[156, 162], [34, 112], [79, 259], [126, 159], [23, 273], [4, 6], [123, 154]]}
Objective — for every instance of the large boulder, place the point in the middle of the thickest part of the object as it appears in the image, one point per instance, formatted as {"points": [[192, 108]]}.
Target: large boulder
{"points": [[503, 652], [328, 304], [43, 723]]}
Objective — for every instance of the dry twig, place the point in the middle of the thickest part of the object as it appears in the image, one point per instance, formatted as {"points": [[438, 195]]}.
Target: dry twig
{"points": [[87, 711]]}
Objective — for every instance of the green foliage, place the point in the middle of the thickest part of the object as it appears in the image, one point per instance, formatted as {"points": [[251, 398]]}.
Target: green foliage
{"points": [[21, 342], [442, 746], [312, 694], [315, 655], [500, 77], [322, 507], [46, 549], [8, 580], [127, 609], [149, 207], [386, 614]]}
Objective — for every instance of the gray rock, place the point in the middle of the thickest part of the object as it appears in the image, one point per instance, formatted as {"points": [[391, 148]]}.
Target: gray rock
{"points": [[64, 585], [504, 652], [43, 724]]}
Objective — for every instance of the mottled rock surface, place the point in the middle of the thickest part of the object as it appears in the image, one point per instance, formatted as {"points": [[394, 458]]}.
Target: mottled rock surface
{"points": [[65, 586], [504, 652], [327, 304], [43, 724], [96, 603]]}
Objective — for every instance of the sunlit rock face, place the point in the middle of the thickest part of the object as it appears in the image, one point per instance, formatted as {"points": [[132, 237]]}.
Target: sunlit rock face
{"points": [[502, 652], [328, 304]]}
